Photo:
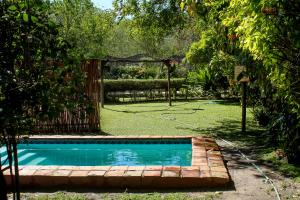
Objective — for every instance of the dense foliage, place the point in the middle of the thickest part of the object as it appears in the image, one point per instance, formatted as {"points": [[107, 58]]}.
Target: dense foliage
{"points": [[84, 26], [275, 43], [144, 71], [168, 31], [268, 33], [39, 77]]}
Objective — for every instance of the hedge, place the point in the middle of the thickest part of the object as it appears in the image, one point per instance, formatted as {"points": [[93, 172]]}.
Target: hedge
{"points": [[141, 84]]}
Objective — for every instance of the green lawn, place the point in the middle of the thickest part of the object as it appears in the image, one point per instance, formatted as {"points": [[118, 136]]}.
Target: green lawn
{"points": [[183, 118]]}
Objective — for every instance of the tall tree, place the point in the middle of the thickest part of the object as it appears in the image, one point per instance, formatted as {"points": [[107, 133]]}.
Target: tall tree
{"points": [[84, 26], [158, 27]]}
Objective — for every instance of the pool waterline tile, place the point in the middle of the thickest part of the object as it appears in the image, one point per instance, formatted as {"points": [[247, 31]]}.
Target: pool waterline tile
{"points": [[207, 169]]}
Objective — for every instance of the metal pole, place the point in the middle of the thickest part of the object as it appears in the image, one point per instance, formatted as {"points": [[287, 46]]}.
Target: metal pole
{"points": [[244, 105]]}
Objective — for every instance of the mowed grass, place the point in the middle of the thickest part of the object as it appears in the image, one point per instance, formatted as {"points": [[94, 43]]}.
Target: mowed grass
{"points": [[123, 196], [200, 117]]}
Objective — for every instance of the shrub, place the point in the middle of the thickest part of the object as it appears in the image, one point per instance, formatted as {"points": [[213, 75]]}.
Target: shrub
{"points": [[141, 84], [261, 116]]}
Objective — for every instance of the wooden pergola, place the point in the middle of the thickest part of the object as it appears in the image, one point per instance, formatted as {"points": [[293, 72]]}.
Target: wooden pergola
{"points": [[169, 62]]}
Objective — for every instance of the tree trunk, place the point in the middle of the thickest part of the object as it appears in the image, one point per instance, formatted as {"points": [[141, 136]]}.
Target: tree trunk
{"points": [[10, 160], [16, 164], [3, 191]]}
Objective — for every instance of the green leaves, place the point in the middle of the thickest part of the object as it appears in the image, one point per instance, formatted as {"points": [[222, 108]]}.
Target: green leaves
{"points": [[12, 8], [182, 5], [34, 19], [25, 17]]}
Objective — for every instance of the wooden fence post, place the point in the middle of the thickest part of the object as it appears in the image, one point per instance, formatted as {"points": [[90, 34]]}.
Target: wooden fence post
{"points": [[244, 106], [101, 63]]}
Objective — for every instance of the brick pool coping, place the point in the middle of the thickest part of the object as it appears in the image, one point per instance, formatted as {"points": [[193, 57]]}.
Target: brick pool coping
{"points": [[207, 170]]}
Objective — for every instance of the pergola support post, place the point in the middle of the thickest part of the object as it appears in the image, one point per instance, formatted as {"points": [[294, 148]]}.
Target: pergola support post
{"points": [[168, 64]]}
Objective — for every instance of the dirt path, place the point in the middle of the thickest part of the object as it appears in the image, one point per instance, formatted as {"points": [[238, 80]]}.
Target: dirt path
{"points": [[249, 184]]}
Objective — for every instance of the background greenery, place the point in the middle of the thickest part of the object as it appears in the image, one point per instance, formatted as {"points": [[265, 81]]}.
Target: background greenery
{"points": [[141, 84]]}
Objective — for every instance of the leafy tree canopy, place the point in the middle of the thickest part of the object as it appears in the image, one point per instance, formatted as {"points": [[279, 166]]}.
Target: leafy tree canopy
{"points": [[84, 26]]}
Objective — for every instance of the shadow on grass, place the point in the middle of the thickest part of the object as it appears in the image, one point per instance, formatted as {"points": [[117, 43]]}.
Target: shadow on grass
{"points": [[135, 112], [231, 130], [226, 102], [105, 133], [159, 110], [256, 143], [166, 101], [158, 104]]}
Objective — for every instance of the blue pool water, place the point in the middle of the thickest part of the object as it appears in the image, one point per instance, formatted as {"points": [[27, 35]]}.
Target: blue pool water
{"points": [[99, 153]]}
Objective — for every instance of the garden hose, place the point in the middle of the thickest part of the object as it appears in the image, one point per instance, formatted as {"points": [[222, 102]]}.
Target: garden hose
{"points": [[242, 155], [254, 165]]}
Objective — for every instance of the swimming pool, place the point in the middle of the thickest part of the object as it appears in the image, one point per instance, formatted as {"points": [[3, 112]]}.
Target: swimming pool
{"points": [[104, 152], [119, 162]]}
